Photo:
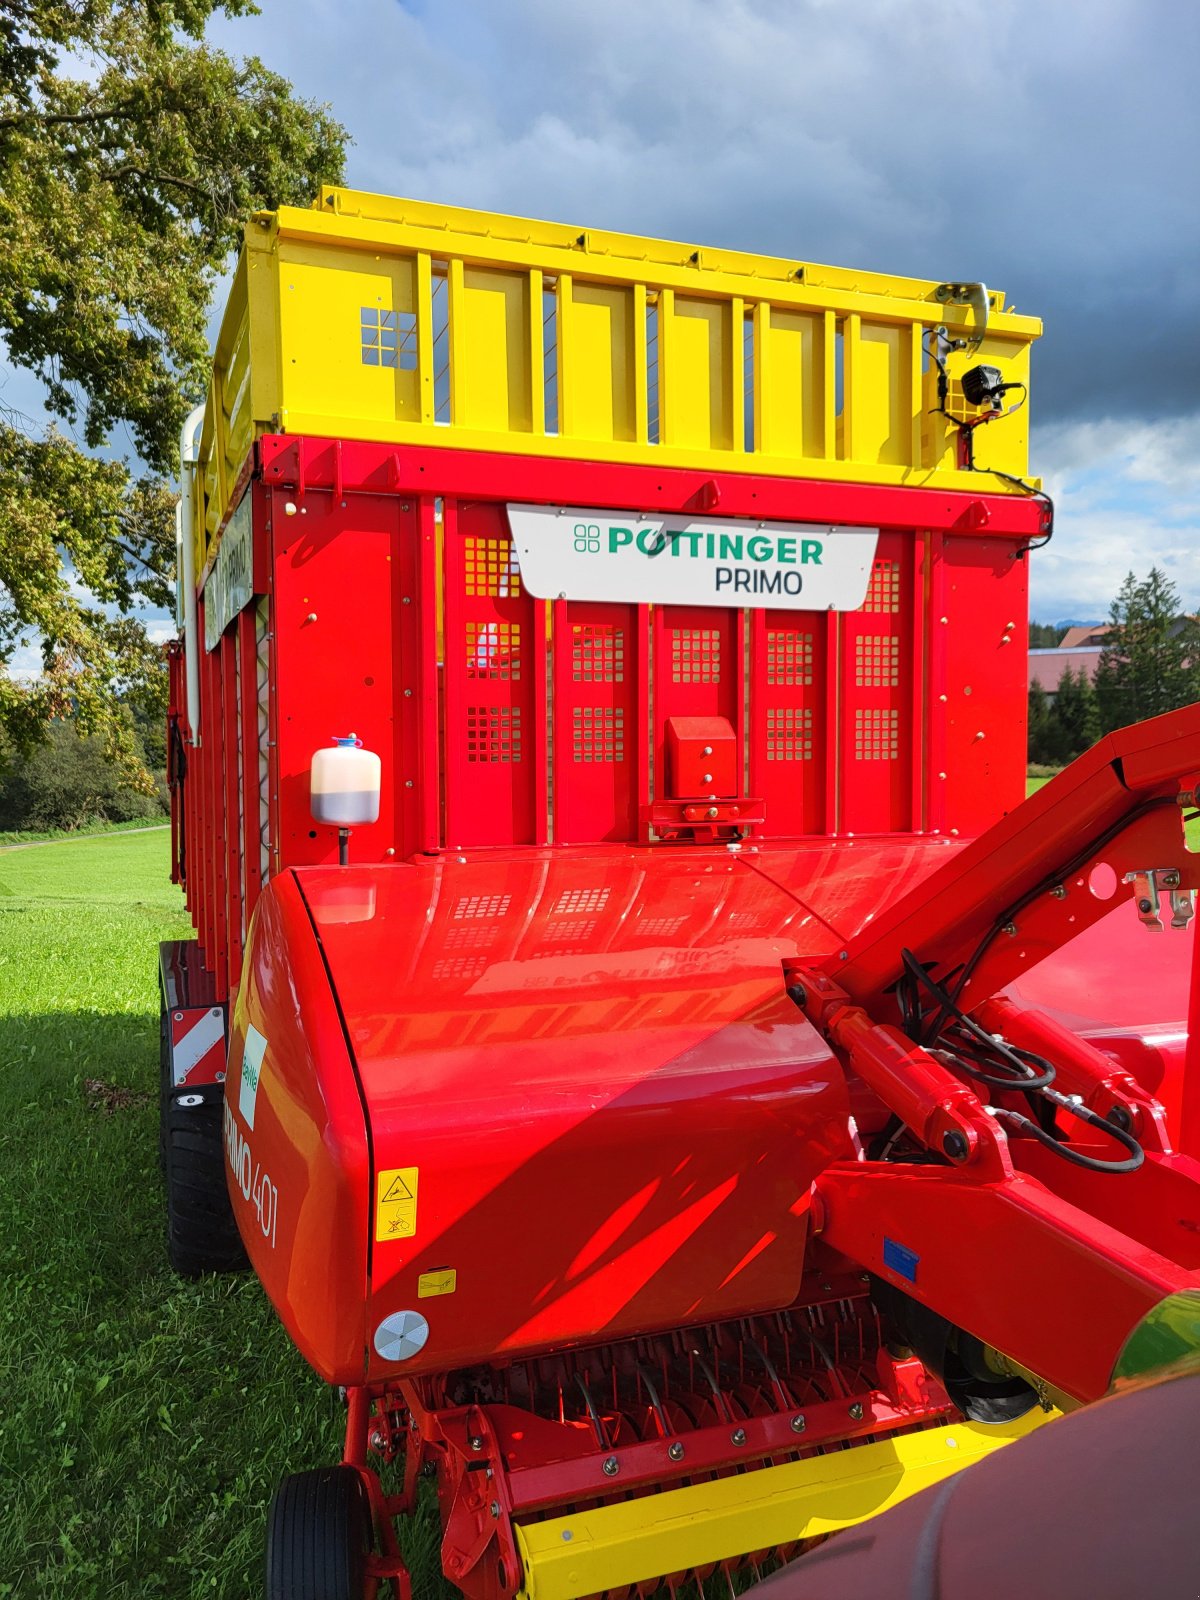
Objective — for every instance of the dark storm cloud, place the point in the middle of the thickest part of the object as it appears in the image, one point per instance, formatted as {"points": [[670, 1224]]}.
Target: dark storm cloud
{"points": [[1048, 148]]}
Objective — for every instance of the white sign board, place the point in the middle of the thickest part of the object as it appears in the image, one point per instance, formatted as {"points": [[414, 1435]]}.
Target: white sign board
{"points": [[572, 553], [230, 586]]}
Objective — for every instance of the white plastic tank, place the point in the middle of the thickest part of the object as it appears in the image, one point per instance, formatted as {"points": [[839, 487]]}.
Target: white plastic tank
{"points": [[344, 784]]}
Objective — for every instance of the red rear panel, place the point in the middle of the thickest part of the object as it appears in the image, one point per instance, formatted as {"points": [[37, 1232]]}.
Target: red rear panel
{"points": [[589, 1077], [388, 603]]}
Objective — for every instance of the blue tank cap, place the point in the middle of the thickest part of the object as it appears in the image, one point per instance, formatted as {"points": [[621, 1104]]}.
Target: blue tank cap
{"points": [[351, 742]]}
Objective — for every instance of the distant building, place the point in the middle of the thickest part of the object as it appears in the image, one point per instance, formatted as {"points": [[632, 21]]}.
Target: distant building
{"points": [[1084, 637], [1046, 667]]}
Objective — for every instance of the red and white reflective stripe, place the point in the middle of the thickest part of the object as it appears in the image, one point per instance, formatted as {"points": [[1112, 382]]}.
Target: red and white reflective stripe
{"points": [[198, 1045]]}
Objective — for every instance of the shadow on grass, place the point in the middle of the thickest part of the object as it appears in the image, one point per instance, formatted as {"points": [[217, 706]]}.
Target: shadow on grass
{"points": [[147, 1418]]}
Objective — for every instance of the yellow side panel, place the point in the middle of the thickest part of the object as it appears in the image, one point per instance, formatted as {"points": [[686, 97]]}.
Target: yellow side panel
{"points": [[880, 407], [598, 368], [794, 360], [491, 381], [610, 1547], [331, 302], [239, 419], [696, 385]]}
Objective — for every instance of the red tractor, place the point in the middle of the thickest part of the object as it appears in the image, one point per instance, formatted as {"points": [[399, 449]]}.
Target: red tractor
{"points": [[655, 1060]]}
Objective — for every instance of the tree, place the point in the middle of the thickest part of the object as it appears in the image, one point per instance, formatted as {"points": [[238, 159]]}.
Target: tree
{"points": [[1076, 714], [1151, 657], [130, 154], [1041, 733], [68, 782], [1045, 635]]}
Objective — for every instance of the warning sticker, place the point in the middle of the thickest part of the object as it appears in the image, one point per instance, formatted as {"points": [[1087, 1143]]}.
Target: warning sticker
{"points": [[443, 1281], [396, 1203]]}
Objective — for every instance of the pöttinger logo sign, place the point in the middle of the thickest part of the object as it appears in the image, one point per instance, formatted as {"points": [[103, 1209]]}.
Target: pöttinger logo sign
{"points": [[577, 553]]}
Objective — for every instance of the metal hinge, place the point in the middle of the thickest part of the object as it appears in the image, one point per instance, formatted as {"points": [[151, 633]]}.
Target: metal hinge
{"points": [[1148, 887]]}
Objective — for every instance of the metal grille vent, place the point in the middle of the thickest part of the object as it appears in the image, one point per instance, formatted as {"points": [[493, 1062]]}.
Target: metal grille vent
{"points": [[789, 734], [876, 661], [599, 733], [597, 653], [491, 569], [494, 651], [883, 591], [494, 733], [876, 735], [789, 657], [695, 655]]}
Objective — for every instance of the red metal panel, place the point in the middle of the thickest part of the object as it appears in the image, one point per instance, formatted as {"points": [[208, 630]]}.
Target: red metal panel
{"points": [[1009, 1259], [208, 805], [597, 684], [494, 634], [695, 673], [472, 474], [645, 746], [232, 756], [938, 688], [344, 576], [428, 762], [833, 723], [985, 595], [218, 792], [175, 745], [789, 730], [877, 734], [915, 685], [247, 637]]}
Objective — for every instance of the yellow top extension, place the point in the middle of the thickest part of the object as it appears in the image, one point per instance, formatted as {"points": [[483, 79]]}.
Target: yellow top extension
{"points": [[367, 317]]}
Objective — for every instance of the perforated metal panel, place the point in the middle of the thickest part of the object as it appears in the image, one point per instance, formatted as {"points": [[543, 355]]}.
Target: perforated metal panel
{"points": [[595, 679], [789, 722], [878, 684], [495, 775]]}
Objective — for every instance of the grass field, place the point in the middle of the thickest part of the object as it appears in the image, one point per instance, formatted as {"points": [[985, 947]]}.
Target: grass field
{"points": [[145, 1420]]}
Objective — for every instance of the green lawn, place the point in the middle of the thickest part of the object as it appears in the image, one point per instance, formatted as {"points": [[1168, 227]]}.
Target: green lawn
{"points": [[145, 1420]]}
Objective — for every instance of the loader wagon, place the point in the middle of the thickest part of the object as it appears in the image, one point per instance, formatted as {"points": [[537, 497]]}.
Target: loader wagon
{"points": [[707, 1103]]}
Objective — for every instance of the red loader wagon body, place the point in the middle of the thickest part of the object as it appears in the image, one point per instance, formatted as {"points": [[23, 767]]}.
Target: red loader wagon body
{"points": [[666, 1086]]}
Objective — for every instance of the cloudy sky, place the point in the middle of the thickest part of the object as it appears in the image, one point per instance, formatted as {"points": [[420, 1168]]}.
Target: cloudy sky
{"points": [[1049, 148]]}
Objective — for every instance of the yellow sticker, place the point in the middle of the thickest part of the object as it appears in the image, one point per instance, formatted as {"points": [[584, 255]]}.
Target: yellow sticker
{"points": [[444, 1281], [396, 1203]]}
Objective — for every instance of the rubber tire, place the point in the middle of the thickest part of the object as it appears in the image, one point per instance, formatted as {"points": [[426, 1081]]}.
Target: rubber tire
{"points": [[318, 1536], [202, 1235]]}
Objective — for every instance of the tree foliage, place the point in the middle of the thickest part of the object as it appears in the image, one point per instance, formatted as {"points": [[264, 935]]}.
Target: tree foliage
{"points": [[68, 782], [1063, 728], [131, 152], [1045, 635], [1151, 657]]}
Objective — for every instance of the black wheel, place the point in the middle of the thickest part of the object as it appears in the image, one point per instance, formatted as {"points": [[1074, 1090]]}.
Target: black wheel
{"points": [[201, 1233], [318, 1536]]}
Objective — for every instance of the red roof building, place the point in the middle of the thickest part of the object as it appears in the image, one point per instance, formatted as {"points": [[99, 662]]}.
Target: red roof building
{"points": [[1046, 667]]}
